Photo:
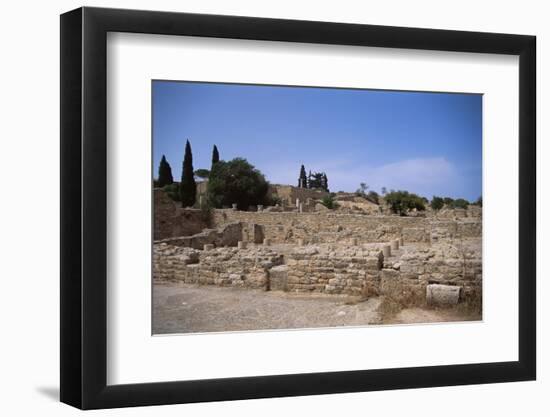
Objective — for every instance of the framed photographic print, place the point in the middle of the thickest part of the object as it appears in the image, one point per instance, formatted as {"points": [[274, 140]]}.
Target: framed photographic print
{"points": [[258, 208]]}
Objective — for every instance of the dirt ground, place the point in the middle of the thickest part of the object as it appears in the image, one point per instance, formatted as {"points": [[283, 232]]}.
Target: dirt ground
{"points": [[183, 308]]}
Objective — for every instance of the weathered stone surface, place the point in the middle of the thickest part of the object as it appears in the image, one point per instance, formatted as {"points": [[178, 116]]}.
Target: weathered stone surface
{"points": [[278, 276], [437, 294], [321, 207], [171, 220], [326, 251]]}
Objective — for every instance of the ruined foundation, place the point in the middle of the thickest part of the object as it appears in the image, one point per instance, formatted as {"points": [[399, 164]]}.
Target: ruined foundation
{"points": [[413, 259]]}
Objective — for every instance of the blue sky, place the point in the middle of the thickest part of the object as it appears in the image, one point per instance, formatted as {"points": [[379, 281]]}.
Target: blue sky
{"points": [[427, 143]]}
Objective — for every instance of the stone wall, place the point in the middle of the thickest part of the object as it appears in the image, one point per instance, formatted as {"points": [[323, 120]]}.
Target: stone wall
{"points": [[443, 263], [352, 270], [220, 266], [227, 235], [288, 194], [171, 220], [330, 269], [327, 227]]}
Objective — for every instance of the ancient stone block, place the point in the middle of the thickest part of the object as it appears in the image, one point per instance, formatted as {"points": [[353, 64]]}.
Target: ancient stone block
{"points": [[438, 294]]}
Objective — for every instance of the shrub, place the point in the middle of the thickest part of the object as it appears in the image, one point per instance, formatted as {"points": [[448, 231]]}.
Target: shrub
{"points": [[329, 202], [236, 181], [372, 196], [401, 202], [437, 203], [460, 203], [173, 191], [448, 201], [274, 200]]}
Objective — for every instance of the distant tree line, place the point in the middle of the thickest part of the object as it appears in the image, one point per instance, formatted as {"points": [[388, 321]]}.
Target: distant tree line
{"points": [[438, 203]]}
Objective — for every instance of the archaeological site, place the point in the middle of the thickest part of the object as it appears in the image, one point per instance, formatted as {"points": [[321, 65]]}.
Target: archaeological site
{"points": [[358, 262]]}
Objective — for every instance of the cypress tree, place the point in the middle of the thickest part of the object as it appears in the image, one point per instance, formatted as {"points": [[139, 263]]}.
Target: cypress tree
{"points": [[215, 155], [165, 173], [188, 188], [325, 182], [302, 180]]}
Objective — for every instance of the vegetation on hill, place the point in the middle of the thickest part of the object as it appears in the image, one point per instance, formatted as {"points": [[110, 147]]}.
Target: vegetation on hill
{"points": [[402, 202], [329, 202], [236, 182], [437, 203]]}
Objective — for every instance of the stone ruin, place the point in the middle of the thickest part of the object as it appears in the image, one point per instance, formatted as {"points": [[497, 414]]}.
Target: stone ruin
{"points": [[412, 259]]}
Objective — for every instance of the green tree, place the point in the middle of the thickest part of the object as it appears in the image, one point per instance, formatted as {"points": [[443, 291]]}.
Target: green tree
{"points": [[188, 187], [215, 155], [202, 173], [479, 202], [437, 203], [402, 202], [460, 203], [325, 182], [165, 173], [384, 190], [448, 201], [236, 182], [302, 179], [317, 180]]}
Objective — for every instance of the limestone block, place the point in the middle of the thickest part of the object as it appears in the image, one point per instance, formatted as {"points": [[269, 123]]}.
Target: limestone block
{"points": [[386, 251], [267, 242], [442, 294], [208, 246], [241, 245], [390, 283]]}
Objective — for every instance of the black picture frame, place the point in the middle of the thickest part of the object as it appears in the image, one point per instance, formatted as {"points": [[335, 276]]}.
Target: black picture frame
{"points": [[84, 207]]}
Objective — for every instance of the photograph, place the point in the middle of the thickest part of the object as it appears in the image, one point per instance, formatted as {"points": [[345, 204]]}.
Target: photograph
{"points": [[297, 207]]}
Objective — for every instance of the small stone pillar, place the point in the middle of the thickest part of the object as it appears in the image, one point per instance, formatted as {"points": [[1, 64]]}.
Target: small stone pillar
{"points": [[300, 242], [241, 245], [301, 208], [267, 242], [234, 206], [386, 251], [297, 203], [260, 207], [353, 241], [208, 246], [394, 244], [401, 241]]}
